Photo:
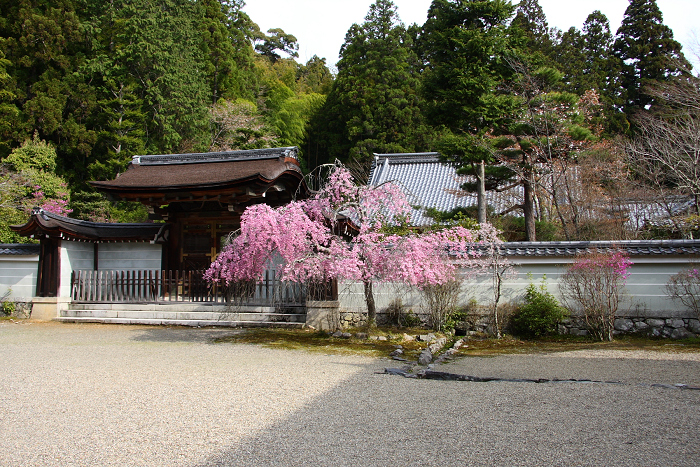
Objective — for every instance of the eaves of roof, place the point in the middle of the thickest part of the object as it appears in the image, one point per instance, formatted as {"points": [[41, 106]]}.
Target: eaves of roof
{"points": [[205, 171], [47, 224]]}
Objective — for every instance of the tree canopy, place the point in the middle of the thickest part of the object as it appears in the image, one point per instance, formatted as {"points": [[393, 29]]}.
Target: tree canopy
{"points": [[374, 105], [101, 81]]}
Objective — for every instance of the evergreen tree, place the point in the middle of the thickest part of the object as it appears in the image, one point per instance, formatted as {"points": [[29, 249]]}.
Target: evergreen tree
{"points": [[599, 63], [47, 42], [220, 53], [587, 62], [602, 70], [315, 76], [648, 53], [571, 60], [158, 47], [374, 105], [464, 46], [275, 41], [531, 22], [8, 110]]}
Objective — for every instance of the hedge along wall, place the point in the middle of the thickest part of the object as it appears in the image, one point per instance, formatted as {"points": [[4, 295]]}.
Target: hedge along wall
{"points": [[654, 262]]}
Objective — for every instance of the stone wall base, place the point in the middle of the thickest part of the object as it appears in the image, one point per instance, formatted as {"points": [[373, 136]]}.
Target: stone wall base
{"points": [[673, 328], [323, 315], [48, 308]]}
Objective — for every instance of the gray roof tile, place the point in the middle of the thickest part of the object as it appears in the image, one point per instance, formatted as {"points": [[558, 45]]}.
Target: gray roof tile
{"points": [[631, 247], [19, 249], [430, 183]]}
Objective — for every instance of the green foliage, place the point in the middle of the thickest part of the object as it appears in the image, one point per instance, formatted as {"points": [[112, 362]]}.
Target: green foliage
{"points": [[8, 110], [92, 206], [399, 315], [530, 22], [7, 307], [239, 125], [315, 77], [539, 315], [648, 53], [460, 316], [374, 105], [514, 229], [228, 53], [28, 179], [276, 41], [291, 120], [464, 45], [34, 155], [464, 217], [35, 164]]}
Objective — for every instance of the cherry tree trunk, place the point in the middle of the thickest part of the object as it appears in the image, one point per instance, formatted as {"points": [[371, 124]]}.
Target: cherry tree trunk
{"points": [[371, 307]]}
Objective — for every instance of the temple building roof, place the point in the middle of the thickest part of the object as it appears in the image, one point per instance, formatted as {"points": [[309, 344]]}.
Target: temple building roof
{"points": [[47, 224], [430, 183], [224, 176]]}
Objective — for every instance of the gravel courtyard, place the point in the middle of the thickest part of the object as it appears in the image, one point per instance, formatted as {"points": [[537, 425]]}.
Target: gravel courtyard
{"points": [[100, 395]]}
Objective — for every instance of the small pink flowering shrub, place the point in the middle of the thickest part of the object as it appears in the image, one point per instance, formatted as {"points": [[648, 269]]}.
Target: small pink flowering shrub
{"points": [[594, 284], [685, 288]]}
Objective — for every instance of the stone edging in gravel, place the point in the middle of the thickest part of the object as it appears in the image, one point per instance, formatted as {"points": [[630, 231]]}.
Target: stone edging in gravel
{"points": [[444, 376]]}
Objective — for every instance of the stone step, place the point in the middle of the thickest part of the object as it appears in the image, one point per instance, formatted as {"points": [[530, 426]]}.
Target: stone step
{"points": [[184, 315], [180, 322], [171, 306]]}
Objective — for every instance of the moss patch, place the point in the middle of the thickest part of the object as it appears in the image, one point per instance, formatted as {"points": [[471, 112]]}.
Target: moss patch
{"points": [[314, 341], [298, 339], [509, 345]]}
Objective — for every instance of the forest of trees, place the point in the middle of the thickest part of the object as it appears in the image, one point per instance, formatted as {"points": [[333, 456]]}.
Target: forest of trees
{"points": [[566, 115]]}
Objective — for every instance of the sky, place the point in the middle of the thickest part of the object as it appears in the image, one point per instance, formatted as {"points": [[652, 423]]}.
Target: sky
{"points": [[320, 25]]}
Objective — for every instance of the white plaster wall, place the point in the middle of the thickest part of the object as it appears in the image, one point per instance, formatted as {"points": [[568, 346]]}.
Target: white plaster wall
{"points": [[129, 256], [18, 273], [111, 257], [73, 256], [645, 295]]}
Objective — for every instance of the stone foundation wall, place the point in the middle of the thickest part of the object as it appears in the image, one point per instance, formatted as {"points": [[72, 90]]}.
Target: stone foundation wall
{"points": [[673, 328], [350, 319]]}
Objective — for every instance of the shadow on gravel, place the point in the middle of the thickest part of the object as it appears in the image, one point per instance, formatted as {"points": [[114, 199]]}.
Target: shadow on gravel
{"points": [[374, 419], [184, 334]]}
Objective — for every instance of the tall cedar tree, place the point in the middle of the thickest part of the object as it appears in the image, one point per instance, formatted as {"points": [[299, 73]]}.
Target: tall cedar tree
{"points": [[464, 45], [150, 81], [531, 22], [586, 59], [374, 105], [46, 44], [226, 33], [8, 109], [648, 51]]}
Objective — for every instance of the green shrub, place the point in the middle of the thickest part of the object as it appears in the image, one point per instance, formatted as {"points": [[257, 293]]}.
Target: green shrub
{"points": [[8, 308], [410, 320], [399, 315], [539, 315]]}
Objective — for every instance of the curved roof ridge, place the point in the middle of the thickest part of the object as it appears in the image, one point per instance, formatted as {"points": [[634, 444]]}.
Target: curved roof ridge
{"points": [[80, 222], [221, 156]]}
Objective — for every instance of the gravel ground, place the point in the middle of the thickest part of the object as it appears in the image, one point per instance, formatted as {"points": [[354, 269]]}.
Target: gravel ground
{"points": [[97, 395]]}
